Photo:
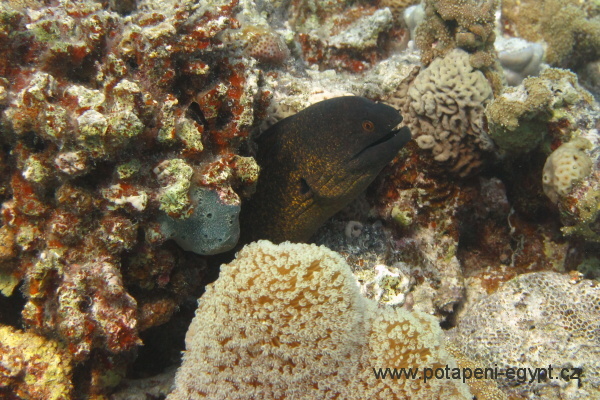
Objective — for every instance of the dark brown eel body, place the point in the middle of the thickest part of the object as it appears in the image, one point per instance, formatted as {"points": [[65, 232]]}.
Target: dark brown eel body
{"points": [[315, 162]]}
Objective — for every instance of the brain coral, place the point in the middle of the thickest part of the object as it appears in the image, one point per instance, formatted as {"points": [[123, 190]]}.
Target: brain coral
{"points": [[288, 322], [443, 106], [536, 320], [566, 164]]}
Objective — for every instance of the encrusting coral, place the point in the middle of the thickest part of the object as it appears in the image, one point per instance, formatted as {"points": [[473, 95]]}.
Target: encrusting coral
{"points": [[108, 123], [519, 118], [33, 367], [288, 321]]}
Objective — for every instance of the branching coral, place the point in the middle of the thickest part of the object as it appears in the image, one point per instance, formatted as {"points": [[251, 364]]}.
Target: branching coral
{"points": [[288, 321], [466, 24]]}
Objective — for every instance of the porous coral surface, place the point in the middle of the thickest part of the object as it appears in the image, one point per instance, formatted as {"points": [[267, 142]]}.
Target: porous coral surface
{"points": [[288, 321], [28, 362], [527, 324]]}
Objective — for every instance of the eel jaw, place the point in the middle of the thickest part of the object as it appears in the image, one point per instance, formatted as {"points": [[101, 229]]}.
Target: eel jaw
{"points": [[397, 138]]}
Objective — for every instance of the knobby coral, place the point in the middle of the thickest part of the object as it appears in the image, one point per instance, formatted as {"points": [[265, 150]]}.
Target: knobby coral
{"points": [[519, 118], [28, 363], [108, 121]]}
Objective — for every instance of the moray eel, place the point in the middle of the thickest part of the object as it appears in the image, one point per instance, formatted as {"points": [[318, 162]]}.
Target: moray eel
{"points": [[317, 161]]}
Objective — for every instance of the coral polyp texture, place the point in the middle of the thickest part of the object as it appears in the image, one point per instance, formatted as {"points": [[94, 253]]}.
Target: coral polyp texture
{"points": [[464, 24], [127, 153], [519, 119], [112, 121], [288, 321], [566, 165]]}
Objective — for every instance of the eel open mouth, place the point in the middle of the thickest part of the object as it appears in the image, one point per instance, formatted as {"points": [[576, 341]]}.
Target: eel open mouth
{"points": [[397, 137]]}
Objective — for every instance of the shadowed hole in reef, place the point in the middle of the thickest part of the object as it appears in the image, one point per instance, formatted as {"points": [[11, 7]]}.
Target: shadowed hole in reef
{"points": [[163, 344], [11, 308], [33, 142]]}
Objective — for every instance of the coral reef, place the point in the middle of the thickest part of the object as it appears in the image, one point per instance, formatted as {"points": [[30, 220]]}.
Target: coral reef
{"points": [[569, 28], [28, 363], [448, 118], [527, 324], [519, 58], [125, 134], [281, 318], [520, 118], [464, 24], [573, 182], [566, 165], [110, 125]]}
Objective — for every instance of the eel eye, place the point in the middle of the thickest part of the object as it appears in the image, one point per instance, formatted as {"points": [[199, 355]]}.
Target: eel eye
{"points": [[368, 126]]}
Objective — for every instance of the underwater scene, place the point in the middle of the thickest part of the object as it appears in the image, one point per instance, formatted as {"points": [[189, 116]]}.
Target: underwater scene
{"points": [[299, 199]]}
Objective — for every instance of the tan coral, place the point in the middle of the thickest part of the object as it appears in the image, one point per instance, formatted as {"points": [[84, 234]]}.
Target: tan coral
{"points": [[566, 165], [288, 321], [518, 119], [444, 107]]}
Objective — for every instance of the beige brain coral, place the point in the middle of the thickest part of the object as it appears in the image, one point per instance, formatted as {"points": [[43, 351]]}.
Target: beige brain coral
{"points": [[444, 107], [288, 322]]}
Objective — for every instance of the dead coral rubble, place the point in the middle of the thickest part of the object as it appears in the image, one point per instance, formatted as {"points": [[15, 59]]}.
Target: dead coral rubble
{"points": [[94, 106]]}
